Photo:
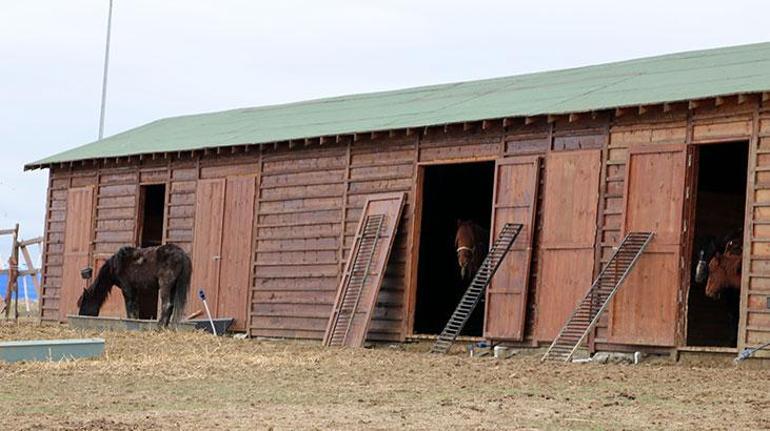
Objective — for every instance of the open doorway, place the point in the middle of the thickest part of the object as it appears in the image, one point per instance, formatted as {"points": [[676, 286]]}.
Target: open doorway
{"points": [[720, 199], [152, 210], [450, 193]]}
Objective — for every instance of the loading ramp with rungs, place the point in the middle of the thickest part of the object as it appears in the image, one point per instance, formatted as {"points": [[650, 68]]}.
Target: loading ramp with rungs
{"points": [[590, 309], [478, 286], [364, 271]]}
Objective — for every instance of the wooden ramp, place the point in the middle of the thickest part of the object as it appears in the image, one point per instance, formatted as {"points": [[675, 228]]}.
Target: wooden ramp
{"points": [[477, 287], [364, 271], [596, 299]]}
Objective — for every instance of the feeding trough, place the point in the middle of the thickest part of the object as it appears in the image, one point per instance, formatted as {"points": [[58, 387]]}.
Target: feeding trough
{"points": [[51, 350], [106, 323]]}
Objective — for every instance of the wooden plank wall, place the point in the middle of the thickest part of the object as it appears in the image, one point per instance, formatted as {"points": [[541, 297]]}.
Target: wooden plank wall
{"points": [[298, 229]]}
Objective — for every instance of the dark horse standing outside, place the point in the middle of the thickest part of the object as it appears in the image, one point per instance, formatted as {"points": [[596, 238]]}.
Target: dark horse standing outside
{"points": [[136, 271], [471, 243]]}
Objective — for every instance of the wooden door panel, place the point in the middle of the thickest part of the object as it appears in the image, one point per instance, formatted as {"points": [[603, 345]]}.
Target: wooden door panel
{"points": [[77, 247], [235, 272], [644, 311], [207, 241], [570, 206], [391, 206], [566, 276], [515, 196]]}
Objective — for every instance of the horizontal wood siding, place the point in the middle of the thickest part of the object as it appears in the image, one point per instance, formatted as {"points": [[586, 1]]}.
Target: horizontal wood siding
{"points": [[297, 241]]}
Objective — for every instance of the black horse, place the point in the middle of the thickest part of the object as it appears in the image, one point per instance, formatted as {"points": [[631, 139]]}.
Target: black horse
{"points": [[138, 271]]}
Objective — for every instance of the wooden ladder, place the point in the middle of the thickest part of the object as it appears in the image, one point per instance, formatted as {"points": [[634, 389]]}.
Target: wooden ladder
{"points": [[355, 278], [588, 311], [476, 289]]}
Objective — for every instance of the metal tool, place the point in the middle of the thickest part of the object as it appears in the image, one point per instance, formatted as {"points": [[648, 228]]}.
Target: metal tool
{"points": [[202, 296]]}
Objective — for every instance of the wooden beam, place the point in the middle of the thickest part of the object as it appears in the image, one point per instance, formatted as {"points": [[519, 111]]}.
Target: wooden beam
{"points": [[409, 131], [356, 137], [446, 128], [693, 104], [507, 122], [322, 140], [26, 242], [551, 118], [765, 96], [642, 109], [486, 124], [573, 117], [742, 98], [292, 143], [530, 120], [619, 112], [719, 100], [307, 142], [667, 107], [425, 130], [392, 133], [467, 126]]}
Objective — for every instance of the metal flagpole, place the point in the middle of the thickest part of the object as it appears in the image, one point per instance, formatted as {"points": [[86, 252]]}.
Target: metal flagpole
{"points": [[104, 77]]}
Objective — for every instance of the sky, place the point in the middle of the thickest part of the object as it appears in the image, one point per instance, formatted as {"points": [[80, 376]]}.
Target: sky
{"points": [[174, 57]]}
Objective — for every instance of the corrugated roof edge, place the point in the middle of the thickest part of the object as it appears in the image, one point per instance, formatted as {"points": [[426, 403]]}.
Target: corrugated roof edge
{"points": [[61, 157]]}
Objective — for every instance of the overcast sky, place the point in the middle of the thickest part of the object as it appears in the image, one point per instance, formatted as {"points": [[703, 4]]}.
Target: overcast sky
{"points": [[172, 57]]}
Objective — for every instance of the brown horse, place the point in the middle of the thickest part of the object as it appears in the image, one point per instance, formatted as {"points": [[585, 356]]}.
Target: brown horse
{"points": [[136, 271], [471, 244], [724, 270]]}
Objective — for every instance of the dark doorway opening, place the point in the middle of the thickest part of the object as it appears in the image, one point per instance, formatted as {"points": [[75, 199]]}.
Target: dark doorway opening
{"points": [[152, 210], [450, 193], [719, 215]]}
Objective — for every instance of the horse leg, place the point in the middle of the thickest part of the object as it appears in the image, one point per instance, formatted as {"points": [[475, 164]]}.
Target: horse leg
{"points": [[132, 307], [166, 306]]}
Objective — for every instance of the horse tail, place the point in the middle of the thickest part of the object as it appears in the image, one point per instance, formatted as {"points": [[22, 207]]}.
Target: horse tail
{"points": [[181, 289]]}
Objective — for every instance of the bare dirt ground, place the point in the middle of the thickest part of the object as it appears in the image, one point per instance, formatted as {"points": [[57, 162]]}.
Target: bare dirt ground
{"points": [[166, 380]]}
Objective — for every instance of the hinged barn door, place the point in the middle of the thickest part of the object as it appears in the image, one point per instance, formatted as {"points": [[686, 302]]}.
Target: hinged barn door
{"points": [[515, 200], [364, 271], [644, 311], [222, 246], [570, 202], [77, 247]]}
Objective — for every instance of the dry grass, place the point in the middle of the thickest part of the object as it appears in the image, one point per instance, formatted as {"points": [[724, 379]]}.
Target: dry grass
{"points": [[171, 380]]}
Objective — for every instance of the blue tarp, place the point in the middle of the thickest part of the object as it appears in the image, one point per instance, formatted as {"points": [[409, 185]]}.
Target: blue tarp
{"points": [[33, 295]]}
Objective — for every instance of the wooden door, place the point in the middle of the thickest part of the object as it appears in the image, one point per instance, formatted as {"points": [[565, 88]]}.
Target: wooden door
{"points": [[77, 247], [207, 243], [570, 202], [644, 311], [356, 324], [235, 263], [515, 198]]}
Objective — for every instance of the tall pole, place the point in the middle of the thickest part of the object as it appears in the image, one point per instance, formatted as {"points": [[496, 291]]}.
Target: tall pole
{"points": [[104, 77]]}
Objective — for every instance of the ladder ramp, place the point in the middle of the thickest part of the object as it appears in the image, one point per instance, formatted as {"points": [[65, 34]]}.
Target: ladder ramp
{"points": [[477, 287], [364, 271], [591, 307]]}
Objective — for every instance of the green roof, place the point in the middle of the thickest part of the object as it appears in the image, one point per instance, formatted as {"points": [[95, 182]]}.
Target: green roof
{"points": [[667, 78]]}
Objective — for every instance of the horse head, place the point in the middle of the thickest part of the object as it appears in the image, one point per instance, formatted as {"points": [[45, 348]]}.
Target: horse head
{"points": [[92, 298], [466, 243], [724, 271]]}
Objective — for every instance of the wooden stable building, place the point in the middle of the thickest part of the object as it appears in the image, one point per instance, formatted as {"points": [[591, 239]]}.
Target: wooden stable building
{"points": [[267, 201]]}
